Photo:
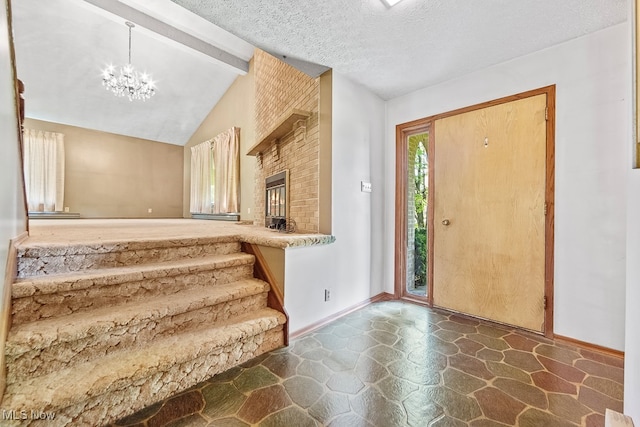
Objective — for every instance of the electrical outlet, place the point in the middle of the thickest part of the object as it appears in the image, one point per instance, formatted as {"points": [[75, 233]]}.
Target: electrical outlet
{"points": [[248, 210], [327, 294], [149, 210], [365, 187], [66, 208]]}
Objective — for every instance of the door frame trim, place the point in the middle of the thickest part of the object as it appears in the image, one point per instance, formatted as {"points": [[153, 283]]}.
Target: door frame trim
{"points": [[426, 124]]}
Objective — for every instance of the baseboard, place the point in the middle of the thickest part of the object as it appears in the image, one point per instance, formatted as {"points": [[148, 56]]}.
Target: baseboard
{"points": [[384, 296], [5, 310], [589, 346]]}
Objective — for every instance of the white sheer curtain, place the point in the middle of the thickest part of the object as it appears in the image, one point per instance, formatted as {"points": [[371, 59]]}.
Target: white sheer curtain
{"points": [[201, 179], [226, 159], [44, 170]]}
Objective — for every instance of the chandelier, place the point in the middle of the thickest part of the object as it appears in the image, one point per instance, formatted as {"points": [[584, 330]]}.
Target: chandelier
{"points": [[128, 82]]}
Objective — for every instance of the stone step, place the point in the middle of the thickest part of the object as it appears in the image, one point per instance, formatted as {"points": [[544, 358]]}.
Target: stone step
{"points": [[44, 346], [36, 260], [47, 296], [106, 389]]}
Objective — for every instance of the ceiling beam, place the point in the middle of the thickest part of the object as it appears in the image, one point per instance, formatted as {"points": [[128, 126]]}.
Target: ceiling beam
{"points": [[159, 27]]}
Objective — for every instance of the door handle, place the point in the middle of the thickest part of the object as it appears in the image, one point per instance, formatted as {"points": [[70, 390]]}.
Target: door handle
{"points": [[446, 222]]}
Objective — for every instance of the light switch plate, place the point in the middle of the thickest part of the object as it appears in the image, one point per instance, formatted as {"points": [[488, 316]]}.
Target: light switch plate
{"points": [[365, 187]]}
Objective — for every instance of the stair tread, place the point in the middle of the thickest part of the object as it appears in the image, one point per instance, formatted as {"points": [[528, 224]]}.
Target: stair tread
{"points": [[48, 284], [118, 369], [42, 333]]}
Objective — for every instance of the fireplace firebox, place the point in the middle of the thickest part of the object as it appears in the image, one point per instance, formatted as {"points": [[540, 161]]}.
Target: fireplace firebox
{"points": [[276, 201]]}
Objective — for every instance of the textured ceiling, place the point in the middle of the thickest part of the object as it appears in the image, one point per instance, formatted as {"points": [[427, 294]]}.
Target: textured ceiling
{"points": [[61, 46], [416, 43]]}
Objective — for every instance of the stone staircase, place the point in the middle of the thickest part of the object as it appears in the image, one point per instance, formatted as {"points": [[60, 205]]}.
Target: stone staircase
{"points": [[102, 330]]}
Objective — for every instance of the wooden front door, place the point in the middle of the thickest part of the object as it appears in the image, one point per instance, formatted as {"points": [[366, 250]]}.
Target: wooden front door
{"points": [[489, 212]]}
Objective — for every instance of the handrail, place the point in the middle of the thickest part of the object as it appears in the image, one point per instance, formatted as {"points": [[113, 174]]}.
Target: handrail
{"points": [[275, 299]]}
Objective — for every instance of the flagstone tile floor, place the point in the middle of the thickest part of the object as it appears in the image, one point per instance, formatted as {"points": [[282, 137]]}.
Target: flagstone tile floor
{"points": [[398, 364]]}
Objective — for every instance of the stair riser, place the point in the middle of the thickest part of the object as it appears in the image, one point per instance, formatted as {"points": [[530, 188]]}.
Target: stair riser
{"points": [[126, 398], [67, 263], [38, 307], [62, 355]]}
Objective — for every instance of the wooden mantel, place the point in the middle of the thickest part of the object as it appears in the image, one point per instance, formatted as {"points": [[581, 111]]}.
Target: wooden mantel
{"points": [[282, 127]]}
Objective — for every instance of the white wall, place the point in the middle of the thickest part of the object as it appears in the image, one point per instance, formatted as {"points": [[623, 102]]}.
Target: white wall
{"points": [[591, 154], [352, 266], [12, 215], [632, 337]]}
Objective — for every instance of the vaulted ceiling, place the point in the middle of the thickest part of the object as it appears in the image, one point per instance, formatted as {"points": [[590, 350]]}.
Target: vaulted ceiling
{"points": [[62, 45]]}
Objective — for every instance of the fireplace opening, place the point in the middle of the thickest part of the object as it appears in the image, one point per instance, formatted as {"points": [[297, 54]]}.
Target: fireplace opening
{"points": [[276, 206]]}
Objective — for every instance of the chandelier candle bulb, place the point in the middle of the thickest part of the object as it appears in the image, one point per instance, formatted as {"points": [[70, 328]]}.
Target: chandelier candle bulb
{"points": [[128, 81]]}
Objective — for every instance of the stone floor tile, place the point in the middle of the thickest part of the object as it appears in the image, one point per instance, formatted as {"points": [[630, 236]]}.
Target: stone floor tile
{"points": [[345, 382], [346, 331], [254, 378], [447, 335], [283, 365], [567, 407], [375, 408], [177, 407], [228, 422], [464, 320], [560, 354], [221, 400], [419, 412], [304, 344], [562, 370], [605, 386], [454, 404], [518, 342], [402, 369], [315, 370], [525, 393], [471, 366], [303, 391], [460, 328], [193, 420], [488, 354], [419, 374], [384, 326], [468, 346], [523, 360], [359, 323], [291, 416], [350, 420], [461, 382], [537, 418], [341, 360], [424, 356], [493, 343], [598, 401], [263, 402], [396, 389], [329, 406], [501, 369], [446, 421], [606, 359], [370, 371], [436, 344], [600, 370], [384, 354], [493, 331], [499, 406], [594, 420], [553, 383], [486, 423], [383, 337], [331, 342], [361, 343]]}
